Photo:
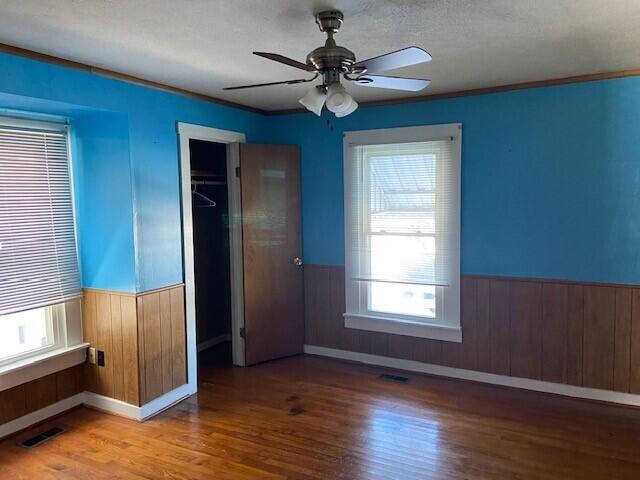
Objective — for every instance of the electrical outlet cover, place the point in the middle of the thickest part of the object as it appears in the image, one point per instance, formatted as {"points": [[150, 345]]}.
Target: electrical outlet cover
{"points": [[91, 355]]}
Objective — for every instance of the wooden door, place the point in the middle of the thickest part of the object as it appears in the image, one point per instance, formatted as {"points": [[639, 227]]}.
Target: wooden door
{"points": [[272, 251]]}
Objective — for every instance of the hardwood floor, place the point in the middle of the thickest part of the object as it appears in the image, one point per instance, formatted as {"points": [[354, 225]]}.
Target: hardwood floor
{"points": [[306, 417]]}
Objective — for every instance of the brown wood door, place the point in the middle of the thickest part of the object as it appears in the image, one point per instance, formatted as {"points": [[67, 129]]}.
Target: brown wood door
{"points": [[271, 243]]}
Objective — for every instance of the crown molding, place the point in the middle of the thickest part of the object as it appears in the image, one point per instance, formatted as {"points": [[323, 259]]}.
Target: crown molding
{"points": [[43, 57], [592, 77]]}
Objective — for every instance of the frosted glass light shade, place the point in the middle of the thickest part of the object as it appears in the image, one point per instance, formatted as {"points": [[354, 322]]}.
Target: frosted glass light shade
{"points": [[314, 100], [338, 100], [349, 110]]}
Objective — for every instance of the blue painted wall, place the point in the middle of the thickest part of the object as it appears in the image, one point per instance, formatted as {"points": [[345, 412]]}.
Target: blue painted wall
{"points": [[104, 200], [550, 182], [127, 176], [550, 187]]}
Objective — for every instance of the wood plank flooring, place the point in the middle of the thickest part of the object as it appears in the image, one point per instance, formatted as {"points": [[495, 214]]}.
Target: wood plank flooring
{"points": [[313, 418]]}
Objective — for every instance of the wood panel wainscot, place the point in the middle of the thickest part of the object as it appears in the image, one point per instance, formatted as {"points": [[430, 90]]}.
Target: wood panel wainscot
{"points": [[143, 338], [39, 393], [573, 333]]}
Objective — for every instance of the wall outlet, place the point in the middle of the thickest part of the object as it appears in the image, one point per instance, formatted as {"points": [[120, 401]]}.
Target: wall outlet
{"points": [[100, 358], [91, 355]]}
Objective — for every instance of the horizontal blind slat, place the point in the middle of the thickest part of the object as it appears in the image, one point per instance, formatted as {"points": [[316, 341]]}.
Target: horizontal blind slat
{"points": [[38, 256]]}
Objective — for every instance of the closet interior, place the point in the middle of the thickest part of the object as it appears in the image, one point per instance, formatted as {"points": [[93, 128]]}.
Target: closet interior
{"points": [[209, 197]]}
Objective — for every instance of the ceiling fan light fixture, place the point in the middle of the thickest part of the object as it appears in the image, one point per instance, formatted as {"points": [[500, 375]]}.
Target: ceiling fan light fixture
{"points": [[332, 62], [348, 111], [338, 100], [314, 100]]}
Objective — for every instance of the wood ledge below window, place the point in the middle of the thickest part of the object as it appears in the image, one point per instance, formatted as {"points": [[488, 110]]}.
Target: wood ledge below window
{"points": [[403, 327], [28, 369]]}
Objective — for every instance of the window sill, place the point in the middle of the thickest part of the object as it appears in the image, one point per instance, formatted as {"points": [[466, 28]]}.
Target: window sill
{"points": [[403, 327], [28, 369]]}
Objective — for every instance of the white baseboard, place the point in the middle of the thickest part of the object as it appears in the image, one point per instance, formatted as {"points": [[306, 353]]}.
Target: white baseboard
{"points": [[516, 382], [146, 411], [212, 342], [111, 405], [40, 415], [102, 403], [169, 399]]}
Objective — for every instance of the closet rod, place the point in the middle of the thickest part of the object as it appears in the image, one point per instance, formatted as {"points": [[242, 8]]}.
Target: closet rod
{"points": [[208, 182], [204, 173]]}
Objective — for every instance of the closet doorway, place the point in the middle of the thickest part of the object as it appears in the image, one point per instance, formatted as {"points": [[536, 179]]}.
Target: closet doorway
{"points": [[211, 248], [197, 330], [242, 248]]}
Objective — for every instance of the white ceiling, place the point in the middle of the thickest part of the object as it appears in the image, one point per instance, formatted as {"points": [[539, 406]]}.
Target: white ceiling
{"points": [[204, 45]]}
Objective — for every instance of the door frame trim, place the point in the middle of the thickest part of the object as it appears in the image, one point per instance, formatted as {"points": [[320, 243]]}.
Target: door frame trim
{"points": [[236, 255], [186, 132]]}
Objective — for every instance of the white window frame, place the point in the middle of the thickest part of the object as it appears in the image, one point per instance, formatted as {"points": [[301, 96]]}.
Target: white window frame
{"points": [[55, 331], [447, 325], [68, 348]]}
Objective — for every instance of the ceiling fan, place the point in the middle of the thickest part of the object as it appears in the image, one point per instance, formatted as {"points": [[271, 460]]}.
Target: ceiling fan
{"points": [[331, 61]]}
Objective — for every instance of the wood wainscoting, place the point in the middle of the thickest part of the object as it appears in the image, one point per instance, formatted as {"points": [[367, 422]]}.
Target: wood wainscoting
{"points": [[36, 394], [163, 342], [110, 324], [144, 340], [571, 333]]}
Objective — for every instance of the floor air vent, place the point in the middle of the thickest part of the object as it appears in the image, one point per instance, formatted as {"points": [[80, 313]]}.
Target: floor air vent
{"points": [[393, 378], [43, 437]]}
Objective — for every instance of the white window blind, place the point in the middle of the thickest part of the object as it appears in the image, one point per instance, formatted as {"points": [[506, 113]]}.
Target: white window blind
{"points": [[402, 230], [38, 258], [400, 212]]}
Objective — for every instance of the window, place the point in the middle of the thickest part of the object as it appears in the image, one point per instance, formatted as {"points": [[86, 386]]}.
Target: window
{"points": [[39, 272], [402, 229], [24, 333]]}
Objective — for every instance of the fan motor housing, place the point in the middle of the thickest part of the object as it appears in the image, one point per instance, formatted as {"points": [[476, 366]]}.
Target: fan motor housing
{"points": [[331, 56]]}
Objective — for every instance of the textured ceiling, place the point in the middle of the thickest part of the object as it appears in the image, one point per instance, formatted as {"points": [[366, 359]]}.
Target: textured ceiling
{"points": [[204, 45]]}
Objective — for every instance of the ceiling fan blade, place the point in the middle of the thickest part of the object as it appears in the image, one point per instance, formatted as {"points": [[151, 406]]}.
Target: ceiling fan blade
{"points": [[287, 61], [389, 61], [285, 82], [393, 83]]}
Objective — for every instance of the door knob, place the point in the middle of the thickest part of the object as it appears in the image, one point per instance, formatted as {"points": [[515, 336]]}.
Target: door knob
{"points": [[297, 261]]}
